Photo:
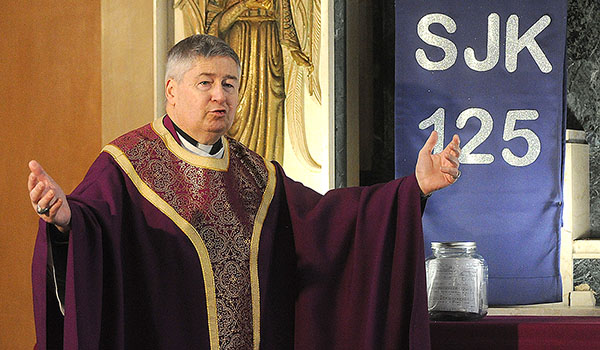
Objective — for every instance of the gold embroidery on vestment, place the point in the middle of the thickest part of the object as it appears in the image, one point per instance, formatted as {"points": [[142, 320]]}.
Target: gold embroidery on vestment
{"points": [[258, 225], [226, 240], [187, 228], [218, 164]]}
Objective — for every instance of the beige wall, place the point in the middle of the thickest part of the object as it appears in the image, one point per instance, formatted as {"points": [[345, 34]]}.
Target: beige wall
{"points": [[50, 107], [127, 66]]}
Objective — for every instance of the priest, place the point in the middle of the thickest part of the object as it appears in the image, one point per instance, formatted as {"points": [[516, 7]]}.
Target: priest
{"points": [[180, 237]]}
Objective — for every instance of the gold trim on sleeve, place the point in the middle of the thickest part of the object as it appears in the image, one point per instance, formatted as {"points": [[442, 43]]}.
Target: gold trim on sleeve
{"points": [[189, 230], [259, 220], [218, 164]]}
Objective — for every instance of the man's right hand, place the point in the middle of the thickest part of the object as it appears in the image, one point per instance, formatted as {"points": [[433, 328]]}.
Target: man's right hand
{"points": [[44, 193]]}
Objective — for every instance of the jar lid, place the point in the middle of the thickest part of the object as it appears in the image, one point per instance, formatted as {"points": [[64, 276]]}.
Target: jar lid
{"points": [[463, 245]]}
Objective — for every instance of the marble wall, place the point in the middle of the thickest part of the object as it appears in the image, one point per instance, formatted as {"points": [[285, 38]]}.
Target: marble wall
{"points": [[583, 88], [587, 271]]}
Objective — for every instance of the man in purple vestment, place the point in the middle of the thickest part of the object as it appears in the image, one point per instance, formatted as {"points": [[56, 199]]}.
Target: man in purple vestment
{"points": [[180, 237]]}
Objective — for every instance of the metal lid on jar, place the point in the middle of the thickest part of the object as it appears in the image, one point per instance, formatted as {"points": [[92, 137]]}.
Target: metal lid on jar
{"points": [[456, 245]]}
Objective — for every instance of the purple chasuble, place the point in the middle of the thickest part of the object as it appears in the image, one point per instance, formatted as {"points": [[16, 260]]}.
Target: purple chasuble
{"points": [[169, 250]]}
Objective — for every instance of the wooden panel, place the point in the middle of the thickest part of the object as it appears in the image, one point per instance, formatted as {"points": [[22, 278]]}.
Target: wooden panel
{"points": [[127, 66], [51, 111]]}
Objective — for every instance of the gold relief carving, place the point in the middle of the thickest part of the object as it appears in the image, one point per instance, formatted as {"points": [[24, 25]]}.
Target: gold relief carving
{"points": [[278, 42], [194, 13]]}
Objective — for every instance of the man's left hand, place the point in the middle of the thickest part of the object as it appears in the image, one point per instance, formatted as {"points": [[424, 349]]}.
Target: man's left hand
{"points": [[436, 171]]}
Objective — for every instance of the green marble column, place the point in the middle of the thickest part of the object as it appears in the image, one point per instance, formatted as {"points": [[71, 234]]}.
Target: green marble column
{"points": [[583, 88]]}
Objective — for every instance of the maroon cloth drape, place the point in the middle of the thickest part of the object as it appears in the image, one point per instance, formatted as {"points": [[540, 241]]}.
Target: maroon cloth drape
{"points": [[360, 267]]}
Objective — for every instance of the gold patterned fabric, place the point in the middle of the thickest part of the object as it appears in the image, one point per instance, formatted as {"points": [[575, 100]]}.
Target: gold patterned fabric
{"points": [[221, 205]]}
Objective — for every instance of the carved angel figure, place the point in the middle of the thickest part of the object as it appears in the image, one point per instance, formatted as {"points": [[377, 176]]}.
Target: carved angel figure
{"points": [[278, 43]]}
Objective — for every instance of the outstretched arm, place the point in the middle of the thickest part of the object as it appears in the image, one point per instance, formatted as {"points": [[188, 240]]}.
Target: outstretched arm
{"points": [[48, 199], [436, 171]]}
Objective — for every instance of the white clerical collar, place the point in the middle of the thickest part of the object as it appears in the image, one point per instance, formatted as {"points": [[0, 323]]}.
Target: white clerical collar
{"points": [[199, 148]]}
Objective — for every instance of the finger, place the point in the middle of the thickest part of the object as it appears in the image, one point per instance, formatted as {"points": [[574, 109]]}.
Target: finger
{"points": [[55, 207], [36, 168], [430, 143], [457, 152], [47, 200], [32, 181], [456, 140], [40, 190], [452, 159], [453, 172], [36, 193], [41, 174], [453, 147]]}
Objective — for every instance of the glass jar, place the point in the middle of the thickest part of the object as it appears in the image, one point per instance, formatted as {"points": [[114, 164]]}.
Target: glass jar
{"points": [[456, 282]]}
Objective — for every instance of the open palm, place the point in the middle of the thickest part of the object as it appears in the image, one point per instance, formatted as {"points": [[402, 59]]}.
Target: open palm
{"points": [[44, 192], [436, 171]]}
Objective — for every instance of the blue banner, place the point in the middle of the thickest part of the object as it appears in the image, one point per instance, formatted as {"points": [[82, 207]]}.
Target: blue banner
{"points": [[492, 72]]}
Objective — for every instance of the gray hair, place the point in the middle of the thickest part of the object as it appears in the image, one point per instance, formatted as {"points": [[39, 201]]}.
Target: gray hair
{"points": [[183, 55]]}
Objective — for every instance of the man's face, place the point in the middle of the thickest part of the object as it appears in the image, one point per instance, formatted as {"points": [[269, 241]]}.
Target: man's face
{"points": [[204, 101]]}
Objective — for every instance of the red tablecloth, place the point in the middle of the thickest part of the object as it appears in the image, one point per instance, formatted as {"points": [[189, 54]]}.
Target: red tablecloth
{"points": [[517, 332]]}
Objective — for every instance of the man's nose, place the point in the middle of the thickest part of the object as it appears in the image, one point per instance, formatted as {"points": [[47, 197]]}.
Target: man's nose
{"points": [[218, 93]]}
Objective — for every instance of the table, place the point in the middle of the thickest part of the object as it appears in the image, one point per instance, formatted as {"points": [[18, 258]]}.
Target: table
{"points": [[518, 332]]}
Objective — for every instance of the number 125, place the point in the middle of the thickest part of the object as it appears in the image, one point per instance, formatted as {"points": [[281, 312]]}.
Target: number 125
{"points": [[487, 124]]}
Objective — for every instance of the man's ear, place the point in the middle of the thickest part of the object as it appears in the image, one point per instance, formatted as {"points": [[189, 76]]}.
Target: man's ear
{"points": [[170, 90]]}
